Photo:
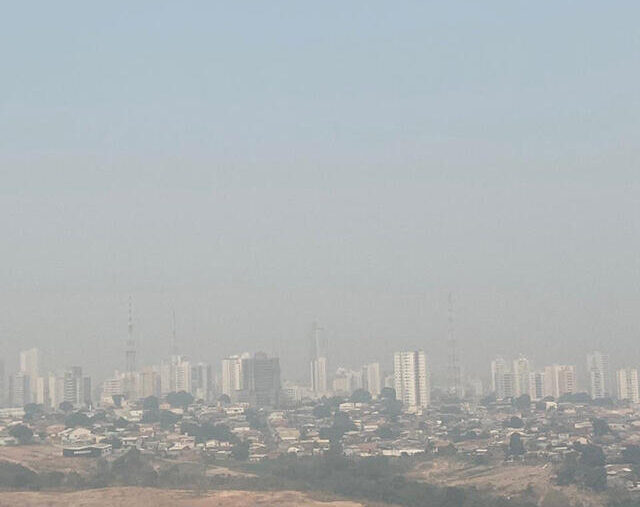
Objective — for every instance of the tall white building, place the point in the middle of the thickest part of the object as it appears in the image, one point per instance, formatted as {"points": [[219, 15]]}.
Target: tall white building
{"points": [[232, 374], [521, 372], [319, 362], [559, 379], [19, 389], [371, 379], [627, 383], [501, 378], [411, 379], [111, 387], [599, 375], [536, 385], [175, 375], [55, 387], [31, 366], [202, 381], [346, 381]]}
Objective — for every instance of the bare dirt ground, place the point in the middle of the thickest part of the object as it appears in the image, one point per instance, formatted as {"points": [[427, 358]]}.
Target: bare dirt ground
{"points": [[41, 458], [503, 480], [121, 497]]}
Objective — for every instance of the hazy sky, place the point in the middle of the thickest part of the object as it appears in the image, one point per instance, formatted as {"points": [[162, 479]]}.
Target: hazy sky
{"points": [[259, 165]]}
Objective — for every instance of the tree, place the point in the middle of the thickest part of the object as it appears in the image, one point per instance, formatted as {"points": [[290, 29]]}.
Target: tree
{"points": [[523, 403], [115, 442], [385, 432], [600, 427], [514, 422], [150, 403], [167, 419], [388, 393], [361, 396], [516, 447], [631, 454], [240, 451], [117, 400], [77, 419], [32, 411], [224, 399], [66, 406], [321, 411], [181, 399], [22, 433]]}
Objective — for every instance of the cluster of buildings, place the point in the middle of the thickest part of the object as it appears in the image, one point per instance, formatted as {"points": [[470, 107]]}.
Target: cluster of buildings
{"points": [[511, 379], [34, 383]]}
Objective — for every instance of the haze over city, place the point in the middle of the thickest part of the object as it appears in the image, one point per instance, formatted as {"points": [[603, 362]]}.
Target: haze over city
{"points": [[257, 172], [320, 253]]}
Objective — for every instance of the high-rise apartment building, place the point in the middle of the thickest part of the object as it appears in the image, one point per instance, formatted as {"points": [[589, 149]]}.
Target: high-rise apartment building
{"points": [[521, 372], [232, 374], [319, 363], [371, 379], [31, 366], [19, 389], [346, 381], [175, 375], [202, 381], [74, 386], [599, 375], [627, 384], [559, 379], [501, 379], [149, 382], [411, 379], [260, 380], [536, 385]]}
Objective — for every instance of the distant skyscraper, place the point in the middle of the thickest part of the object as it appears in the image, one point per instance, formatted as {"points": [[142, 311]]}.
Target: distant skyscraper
{"points": [[411, 378], [112, 387], [453, 367], [521, 372], [130, 345], [501, 383], [261, 380], [559, 379], [175, 375], [149, 382], [19, 389], [319, 373], [3, 392], [346, 381], [55, 388], [202, 381], [74, 386], [31, 366], [627, 383], [536, 385], [371, 379], [599, 375], [232, 374]]}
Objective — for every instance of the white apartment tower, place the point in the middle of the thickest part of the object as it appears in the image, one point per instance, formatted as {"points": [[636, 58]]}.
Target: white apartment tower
{"points": [[318, 361], [371, 379], [411, 379], [627, 383], [521, 373], [232, 374], [175, 375], [559, 379], [536, 385], [599, 375], [501, 378]]}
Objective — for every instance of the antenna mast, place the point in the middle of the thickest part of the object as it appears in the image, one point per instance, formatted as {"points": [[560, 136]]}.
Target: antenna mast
{"points": [[130, 352], [455, 384]]}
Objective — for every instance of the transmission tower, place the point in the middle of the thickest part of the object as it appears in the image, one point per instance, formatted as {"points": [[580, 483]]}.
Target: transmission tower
{"points": [[455, 383]]}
